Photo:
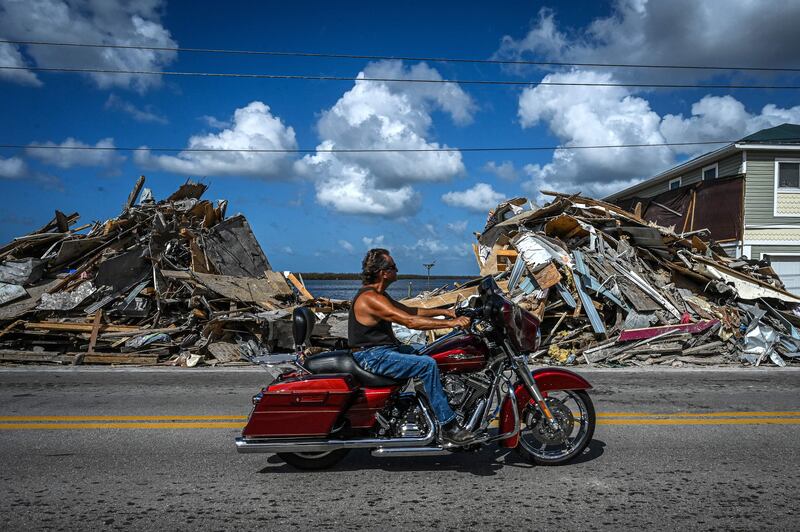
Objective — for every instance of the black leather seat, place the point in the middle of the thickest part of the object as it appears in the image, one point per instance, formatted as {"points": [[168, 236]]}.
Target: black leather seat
{"points": [[343, 362]]}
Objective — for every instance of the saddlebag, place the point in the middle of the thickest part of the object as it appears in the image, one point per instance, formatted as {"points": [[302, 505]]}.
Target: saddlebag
{"points": [[307, 406]]}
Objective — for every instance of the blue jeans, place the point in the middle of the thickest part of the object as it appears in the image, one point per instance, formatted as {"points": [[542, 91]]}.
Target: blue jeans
{"points": [[402, 362]]}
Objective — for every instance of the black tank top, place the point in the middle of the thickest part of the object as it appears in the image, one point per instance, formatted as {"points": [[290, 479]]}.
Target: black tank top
{"points": [[359, 335]]}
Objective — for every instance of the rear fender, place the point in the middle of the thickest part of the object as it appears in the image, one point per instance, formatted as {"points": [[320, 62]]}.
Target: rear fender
{"points": [[547, 379]]}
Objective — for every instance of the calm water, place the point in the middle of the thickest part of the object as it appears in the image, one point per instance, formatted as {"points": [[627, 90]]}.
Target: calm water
{"points": [[346, 289]]}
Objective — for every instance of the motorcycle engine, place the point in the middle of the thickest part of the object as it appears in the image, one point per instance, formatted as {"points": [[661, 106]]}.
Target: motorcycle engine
{"points": [[463, 391]]}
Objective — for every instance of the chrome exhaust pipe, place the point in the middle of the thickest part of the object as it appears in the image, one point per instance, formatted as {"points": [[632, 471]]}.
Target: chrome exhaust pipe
{"points": [[409, 451], [276, 445]]}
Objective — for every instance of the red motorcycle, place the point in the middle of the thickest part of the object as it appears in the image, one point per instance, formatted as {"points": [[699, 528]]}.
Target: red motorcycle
{"points": [[326, 405]]}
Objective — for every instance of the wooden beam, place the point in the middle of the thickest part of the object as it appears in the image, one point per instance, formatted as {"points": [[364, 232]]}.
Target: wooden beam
{"points": [[78, 327], [95, 329], [306, 295]]}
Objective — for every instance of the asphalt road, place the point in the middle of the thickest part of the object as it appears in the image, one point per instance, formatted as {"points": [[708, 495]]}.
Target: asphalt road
{"points": [[731, 464]]}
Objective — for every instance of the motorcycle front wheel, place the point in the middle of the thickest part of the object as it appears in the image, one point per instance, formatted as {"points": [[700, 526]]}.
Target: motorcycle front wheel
{"points": [[319, 460], [539, 444]]}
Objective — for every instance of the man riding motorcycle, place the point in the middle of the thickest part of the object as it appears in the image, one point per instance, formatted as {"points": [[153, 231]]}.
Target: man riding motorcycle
{"points": [[377, 350]]}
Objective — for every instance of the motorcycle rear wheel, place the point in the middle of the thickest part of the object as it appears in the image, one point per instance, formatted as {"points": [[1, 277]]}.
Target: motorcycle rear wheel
{"points": [[548, 451], [320, 460]]}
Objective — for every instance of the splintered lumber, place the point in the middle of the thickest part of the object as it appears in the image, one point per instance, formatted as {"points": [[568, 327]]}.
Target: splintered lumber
{"points": [[306, 295], [14, 355], [77, 327], [118, 358]]}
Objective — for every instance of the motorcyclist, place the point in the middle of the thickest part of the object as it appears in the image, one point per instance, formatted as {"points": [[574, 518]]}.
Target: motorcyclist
{"points": [[377, 350]]}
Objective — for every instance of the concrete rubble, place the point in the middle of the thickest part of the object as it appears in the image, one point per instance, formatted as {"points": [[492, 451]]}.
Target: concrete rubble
{"points": [[174, 282], [613, 289]]}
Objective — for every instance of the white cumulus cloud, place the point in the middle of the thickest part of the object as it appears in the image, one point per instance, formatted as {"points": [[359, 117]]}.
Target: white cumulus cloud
{"points": [[13, 168], [73, 152], [504, 170], [347, 246], [458, 227], [587, 116], [385, 116], [89, 21], [10, 56], [373, 242], [682, 32], [253, 127], [479, 198]]}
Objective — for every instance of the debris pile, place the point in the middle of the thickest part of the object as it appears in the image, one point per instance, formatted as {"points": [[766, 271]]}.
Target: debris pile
{"points": [[610, 288], [172, 282]]}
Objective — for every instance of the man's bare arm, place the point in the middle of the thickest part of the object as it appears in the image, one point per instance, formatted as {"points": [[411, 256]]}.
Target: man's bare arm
{"points": [[381, 307], [425, 312]]}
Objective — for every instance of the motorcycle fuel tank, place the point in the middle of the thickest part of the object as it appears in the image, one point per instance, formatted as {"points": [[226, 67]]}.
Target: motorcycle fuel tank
{"points": [[458, 352]]}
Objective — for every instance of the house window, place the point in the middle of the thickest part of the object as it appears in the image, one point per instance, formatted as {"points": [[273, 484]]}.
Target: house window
{"points": [[710, 172], [789, 175], [675, 183]]}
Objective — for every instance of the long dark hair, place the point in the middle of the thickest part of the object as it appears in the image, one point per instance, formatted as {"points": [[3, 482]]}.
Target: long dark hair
{"points": [[374, 261]]}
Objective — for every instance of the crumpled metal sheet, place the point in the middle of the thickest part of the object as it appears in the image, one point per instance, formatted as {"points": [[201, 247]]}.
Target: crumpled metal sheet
{"points": [[147, 339], [21, 272], [759, 343], [66, 300], [11, 292]]}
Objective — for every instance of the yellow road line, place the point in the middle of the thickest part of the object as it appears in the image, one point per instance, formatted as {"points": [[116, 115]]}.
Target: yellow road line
{"points": [[698, 414], [727, 421], [168, 426], [120, 418]]}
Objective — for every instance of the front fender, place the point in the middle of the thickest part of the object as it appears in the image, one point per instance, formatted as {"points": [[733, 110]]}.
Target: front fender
{"points": [[547, 379]]}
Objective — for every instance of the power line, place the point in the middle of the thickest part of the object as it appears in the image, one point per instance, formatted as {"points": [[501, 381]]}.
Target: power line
{"points": [[373, 57], [399, 80], [372, 150]]}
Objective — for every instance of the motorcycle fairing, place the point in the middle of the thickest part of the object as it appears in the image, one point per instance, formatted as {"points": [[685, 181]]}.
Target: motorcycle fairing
{"points": [[547, 379]]}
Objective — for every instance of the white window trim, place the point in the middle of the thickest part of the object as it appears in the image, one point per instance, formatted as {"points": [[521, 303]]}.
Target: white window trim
{"points": [[678, 179], [715, 166], [776, 189]]}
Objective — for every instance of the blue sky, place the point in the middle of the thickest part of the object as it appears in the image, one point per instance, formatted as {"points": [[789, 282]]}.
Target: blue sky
{"points": [[321, 212]]}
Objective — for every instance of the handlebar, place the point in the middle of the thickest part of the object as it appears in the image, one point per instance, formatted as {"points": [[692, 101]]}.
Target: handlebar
{"points": [[470, 312]]}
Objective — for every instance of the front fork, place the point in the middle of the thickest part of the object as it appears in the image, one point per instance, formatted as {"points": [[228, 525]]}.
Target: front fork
{"points": [[520, 366]]}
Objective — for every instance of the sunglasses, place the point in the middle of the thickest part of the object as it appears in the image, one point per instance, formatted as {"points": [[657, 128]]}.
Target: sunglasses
{"points": [[393, 268]]}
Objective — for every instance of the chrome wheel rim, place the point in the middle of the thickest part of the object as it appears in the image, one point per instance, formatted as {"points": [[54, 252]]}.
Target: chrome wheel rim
{"points": [[312, 456], [573, 415]]}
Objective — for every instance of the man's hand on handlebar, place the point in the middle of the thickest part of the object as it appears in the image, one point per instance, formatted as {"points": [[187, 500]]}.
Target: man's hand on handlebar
{"points": [[461, 321]]}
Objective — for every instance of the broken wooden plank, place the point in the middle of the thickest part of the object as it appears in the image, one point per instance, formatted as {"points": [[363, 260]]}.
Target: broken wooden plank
{"points": [[305, 294], [95, 330], [15, 355], [118, 358], [134, 193], [78, 327]]}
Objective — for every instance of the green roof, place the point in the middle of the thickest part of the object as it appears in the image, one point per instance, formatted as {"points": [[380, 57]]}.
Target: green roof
{"points": [[782, 134]]}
